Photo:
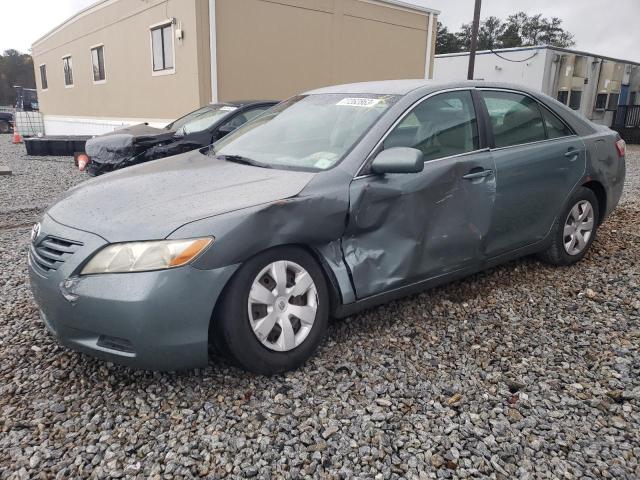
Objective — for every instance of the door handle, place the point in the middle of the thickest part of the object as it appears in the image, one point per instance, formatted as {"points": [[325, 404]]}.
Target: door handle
{"points": [[476, 175], [572, 153]]}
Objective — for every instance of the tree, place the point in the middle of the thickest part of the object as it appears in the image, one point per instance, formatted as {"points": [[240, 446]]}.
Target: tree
{"points": [[510, 37], [518, 30], [446, 41], [537, 30], [490, 32], [15, 69]]}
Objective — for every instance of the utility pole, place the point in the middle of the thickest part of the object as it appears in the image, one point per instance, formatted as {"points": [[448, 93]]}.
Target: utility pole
{"points": [[474, 39]]}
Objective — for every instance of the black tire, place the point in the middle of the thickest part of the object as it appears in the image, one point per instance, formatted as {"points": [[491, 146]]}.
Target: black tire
{"points": [[4, 127], [231, 330], [556, 254]]}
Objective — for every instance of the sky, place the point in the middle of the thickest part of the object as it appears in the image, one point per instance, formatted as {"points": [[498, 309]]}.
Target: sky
{"points": [[606, 27]]}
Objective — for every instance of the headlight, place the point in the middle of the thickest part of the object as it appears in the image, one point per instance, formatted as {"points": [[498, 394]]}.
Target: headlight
{"points": [[145, 256]]}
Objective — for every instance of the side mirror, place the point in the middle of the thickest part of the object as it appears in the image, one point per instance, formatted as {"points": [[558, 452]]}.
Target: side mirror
{"points": [[398, 160]]}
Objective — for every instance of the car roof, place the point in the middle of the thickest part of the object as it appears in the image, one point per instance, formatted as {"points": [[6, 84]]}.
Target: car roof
{"points": [[243, 103], [406, 86], [383, 87], [419, 87]]}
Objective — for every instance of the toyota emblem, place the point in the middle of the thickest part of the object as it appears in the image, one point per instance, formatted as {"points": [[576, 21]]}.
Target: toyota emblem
{"points": [[35, 232]]}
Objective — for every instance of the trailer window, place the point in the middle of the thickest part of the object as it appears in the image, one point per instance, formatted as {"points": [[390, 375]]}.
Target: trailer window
{"points": [[575, 99], [563, 96], [162, 48], [97, 61], [601, 101], [43, 77], [67, 65]]}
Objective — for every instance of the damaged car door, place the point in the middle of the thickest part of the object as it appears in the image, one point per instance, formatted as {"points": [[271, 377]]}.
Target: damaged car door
{"points": [[405, 228]]}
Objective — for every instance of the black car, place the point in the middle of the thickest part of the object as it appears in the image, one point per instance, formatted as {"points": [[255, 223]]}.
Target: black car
{"points": [[6, 122], [142, 143]]}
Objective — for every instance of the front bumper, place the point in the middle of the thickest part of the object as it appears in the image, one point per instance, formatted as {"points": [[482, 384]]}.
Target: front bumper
{"points": [[149, 320]]}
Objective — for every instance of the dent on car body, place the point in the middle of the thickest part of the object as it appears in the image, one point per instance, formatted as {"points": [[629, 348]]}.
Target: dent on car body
{"points": [[420, 215]]}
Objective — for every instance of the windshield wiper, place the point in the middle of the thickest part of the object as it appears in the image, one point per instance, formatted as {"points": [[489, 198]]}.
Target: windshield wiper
{"points": [[243, 160]]}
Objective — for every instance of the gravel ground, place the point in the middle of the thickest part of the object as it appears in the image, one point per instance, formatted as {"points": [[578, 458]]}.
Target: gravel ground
{"points": [[524, 371]]}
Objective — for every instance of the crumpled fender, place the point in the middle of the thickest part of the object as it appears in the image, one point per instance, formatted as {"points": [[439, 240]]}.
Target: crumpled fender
{"points": [[314, 221]]}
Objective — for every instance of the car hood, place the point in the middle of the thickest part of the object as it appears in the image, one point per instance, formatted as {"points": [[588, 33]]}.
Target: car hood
{"points": [[151, 200]]}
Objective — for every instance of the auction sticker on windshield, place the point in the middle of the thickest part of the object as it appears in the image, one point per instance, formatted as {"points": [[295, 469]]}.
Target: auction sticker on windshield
{"points": [[228, 109], [359, 102]]}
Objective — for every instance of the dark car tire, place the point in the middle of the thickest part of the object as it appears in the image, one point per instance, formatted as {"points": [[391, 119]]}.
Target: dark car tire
{"points": [[232, 331], [557, 253], [4, 127]]}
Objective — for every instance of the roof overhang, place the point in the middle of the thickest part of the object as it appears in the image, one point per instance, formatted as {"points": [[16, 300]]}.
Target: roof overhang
{"points": [[411, 6], [103, 3], [94, 7], [540, 47]]}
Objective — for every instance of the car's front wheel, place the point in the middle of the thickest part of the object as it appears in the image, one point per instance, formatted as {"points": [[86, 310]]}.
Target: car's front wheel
{"points": [[274, 312], [574, 230]]}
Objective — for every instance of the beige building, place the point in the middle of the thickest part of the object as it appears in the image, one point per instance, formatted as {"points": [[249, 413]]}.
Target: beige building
{"points": [[121, 62]]}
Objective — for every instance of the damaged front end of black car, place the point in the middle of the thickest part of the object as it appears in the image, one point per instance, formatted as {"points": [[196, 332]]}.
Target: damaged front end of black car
{"points": [[143, 143], [131, 146]]}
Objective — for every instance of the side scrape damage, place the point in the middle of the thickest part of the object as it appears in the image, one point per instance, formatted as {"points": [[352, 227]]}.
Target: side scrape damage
{"points": [[317, 222], [406, 228]]}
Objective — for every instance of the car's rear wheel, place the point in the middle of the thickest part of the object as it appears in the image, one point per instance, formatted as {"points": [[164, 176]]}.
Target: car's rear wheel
{"points": [[574, 230], [4, 127], [274, 312]]}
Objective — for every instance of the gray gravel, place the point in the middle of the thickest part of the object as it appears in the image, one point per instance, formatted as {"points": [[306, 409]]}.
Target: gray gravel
{"points": [[34, 184], [525, 371]]}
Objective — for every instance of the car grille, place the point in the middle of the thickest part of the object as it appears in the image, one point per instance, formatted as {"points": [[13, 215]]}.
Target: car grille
{"points": [[51, 252]]}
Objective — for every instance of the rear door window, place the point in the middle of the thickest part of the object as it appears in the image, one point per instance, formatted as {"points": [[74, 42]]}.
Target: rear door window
{"points": [[555, 127], [441, 126], [516, 119]]}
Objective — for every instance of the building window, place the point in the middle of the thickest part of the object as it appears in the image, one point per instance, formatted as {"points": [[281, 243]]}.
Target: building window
{"points": [[580, 67], [601, 101], [162, 48], [613, 101], [43, 77], [575, 99], [68, 71], [97, 62], [563, 96], [632, 98]]}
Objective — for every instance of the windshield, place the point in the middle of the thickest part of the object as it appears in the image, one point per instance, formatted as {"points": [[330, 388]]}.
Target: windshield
{"points": [[201, 119], [308, 132]]}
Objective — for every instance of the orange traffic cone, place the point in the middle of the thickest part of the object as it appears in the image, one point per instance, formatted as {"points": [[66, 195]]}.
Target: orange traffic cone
{"points": [[16, 137]]}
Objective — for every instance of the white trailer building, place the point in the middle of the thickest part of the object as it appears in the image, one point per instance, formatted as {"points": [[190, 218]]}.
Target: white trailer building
{"points": [[594, 85]]}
